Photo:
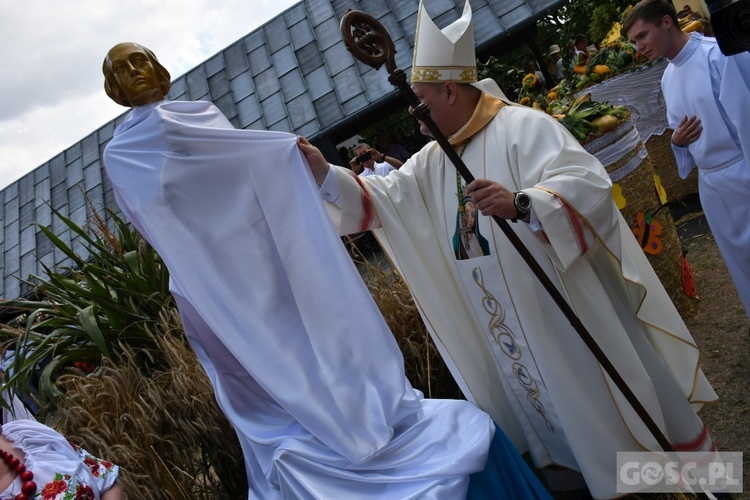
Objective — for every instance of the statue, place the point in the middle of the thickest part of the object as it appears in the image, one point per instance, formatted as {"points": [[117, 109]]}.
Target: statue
{"points": [[301, 361]]}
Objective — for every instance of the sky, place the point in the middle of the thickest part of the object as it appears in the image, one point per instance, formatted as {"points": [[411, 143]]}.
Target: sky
{"points": [[51, 93]]}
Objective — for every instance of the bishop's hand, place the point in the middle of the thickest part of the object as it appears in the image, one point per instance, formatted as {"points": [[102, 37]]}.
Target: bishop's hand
{"points": [[318, 164]]}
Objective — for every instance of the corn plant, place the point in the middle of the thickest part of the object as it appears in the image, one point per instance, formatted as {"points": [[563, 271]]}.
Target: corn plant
{"points": [[88, 310]]}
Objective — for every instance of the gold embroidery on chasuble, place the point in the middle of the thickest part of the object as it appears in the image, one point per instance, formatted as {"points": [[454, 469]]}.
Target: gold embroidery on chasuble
{"points": [[501, 327], [505, 339]]}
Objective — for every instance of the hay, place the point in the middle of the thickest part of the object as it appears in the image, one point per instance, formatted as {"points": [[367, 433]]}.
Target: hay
{"points": [[164, 429], [662, 158], [424, 366]]}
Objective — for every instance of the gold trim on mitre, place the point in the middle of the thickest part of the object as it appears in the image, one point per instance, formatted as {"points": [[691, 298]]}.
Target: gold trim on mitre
{"points": [[447, 54]]}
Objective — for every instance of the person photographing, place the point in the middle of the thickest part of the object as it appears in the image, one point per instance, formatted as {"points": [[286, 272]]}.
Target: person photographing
{"points": [[370, 161]]}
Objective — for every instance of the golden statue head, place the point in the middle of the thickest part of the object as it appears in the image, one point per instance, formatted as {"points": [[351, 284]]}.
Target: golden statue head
{"points": [[133, 76]]}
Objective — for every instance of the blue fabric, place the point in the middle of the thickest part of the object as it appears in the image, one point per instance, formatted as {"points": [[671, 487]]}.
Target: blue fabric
{"points": [[506, 475]]}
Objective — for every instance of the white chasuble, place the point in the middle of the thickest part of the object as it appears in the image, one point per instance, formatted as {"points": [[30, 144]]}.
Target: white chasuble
{"points": [[509, 347], [483, 284]]}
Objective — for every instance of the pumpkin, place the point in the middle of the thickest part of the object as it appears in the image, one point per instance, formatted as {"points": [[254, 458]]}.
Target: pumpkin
{"points": [[580, 69]]}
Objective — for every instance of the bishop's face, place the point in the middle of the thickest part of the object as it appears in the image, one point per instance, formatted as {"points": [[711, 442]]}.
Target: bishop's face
{"points": [[434, 96], [135, 74]]}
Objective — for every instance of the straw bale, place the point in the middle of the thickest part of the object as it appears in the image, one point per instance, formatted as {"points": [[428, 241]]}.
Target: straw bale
{"points": [[640, 194], [662, 157]]}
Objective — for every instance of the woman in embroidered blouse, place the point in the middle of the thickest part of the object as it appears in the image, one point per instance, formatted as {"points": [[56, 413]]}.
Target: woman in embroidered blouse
{"points": [[60, 470]]}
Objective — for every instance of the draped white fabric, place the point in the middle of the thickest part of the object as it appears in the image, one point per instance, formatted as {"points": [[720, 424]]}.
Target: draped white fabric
{"points": [[640, 91], [301, 360], [612, 147]]}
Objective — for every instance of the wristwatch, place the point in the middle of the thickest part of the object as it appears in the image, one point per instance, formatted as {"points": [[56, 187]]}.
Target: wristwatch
{"points": [[522, 201]]}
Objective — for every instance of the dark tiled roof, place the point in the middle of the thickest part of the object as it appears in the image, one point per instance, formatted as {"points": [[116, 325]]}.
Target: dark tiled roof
{"points": [[293, 74]]}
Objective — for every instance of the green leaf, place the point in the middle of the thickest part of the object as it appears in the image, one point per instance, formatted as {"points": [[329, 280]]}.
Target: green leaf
{"points": [[96, 308], [87, 317], [47, 387]]}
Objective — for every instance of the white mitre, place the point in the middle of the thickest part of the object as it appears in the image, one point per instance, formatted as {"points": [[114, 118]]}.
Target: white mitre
{"points": [[448, 54], [444, 55]]}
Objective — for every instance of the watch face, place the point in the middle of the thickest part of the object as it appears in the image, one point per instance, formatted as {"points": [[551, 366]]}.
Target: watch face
{"points": [[523, 202]]}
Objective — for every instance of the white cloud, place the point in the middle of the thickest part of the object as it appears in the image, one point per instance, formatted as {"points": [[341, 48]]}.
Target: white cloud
{"points": [[51, 92]]}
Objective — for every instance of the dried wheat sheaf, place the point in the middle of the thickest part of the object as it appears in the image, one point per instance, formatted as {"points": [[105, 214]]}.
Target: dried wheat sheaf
{"points": [[164, 429]]}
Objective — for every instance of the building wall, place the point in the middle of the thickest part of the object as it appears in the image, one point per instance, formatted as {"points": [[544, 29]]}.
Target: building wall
{"points": [[293, 74]]}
